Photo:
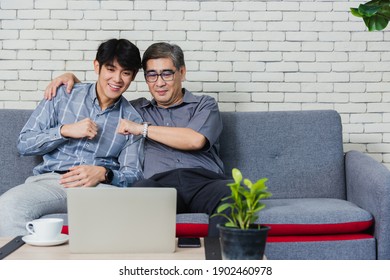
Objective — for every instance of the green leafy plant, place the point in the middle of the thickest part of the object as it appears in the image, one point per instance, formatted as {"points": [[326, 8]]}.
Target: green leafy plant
{"points": [[375, 13], [244, 202]]}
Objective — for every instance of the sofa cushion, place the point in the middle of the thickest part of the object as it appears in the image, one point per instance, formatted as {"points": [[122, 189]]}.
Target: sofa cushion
{"points": [[314, 216]]}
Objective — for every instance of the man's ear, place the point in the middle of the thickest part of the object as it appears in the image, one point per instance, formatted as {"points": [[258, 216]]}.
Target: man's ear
{"points": [[183, 72], [96, 66]]}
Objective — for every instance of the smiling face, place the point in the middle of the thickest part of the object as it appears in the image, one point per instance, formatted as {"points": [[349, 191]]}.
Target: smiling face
{"points": [[113, 81], [166, 93]]}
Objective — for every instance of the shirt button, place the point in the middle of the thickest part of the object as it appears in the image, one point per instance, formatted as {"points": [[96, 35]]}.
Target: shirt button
{"points": [[178, 160]]}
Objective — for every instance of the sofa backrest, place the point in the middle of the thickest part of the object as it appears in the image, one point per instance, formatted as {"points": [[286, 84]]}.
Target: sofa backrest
{"points": [[300, 152], [14, 169]]}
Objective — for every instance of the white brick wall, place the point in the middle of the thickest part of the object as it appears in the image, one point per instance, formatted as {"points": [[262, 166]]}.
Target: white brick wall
{"points": [[249, 55]]}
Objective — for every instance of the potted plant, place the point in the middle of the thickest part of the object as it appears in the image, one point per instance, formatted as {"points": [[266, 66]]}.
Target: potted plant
{"points": [[375, 13], [240, 238]]}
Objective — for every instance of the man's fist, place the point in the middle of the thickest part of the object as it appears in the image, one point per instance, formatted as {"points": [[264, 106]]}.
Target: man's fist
{"points": [[84, 128]]}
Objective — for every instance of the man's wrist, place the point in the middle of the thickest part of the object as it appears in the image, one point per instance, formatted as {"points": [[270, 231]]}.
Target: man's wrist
{"points": [[108, 176], [145, 129], [63, 130]]}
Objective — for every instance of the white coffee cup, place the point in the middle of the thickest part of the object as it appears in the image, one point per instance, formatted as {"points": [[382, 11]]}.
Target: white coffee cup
{"points": [[45, 229]]}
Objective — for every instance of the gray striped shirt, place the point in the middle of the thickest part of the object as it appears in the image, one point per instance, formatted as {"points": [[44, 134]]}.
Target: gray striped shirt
{"points": [[41, 135]]}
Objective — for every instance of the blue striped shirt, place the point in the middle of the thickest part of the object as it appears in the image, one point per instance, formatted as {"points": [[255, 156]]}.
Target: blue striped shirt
{"points": [[122, 153]]}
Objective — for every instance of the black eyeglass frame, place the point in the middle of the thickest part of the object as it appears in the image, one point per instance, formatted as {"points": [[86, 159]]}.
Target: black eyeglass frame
{"points": [[155, 75]]}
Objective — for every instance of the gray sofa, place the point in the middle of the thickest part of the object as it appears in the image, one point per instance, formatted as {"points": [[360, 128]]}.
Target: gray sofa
{"points": [[326, 204]]}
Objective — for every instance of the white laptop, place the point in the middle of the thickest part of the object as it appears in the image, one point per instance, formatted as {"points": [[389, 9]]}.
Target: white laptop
{"points": [[122, 220]]}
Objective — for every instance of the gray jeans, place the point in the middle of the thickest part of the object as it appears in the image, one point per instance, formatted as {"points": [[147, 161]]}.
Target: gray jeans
{"points": [[39, 196]]}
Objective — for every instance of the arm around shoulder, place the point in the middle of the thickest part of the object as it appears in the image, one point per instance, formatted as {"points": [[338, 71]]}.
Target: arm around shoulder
{"points": [[68, 79]]}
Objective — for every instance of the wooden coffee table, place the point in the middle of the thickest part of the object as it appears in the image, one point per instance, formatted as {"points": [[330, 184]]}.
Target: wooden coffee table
{"points": [[61, 252]]}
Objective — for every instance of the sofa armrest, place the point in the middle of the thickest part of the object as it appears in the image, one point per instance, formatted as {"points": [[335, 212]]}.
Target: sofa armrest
{"points": [[368, 186]]}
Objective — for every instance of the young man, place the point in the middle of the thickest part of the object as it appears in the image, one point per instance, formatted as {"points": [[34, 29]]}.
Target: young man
{"points": [[182, 132], [77, 136]]}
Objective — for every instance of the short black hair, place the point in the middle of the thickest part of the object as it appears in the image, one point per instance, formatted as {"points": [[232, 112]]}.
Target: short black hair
{"points": [[126, 53], [164, 50]]}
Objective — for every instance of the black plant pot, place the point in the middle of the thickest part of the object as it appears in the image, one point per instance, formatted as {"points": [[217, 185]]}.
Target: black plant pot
{"points": [[240, 244]]}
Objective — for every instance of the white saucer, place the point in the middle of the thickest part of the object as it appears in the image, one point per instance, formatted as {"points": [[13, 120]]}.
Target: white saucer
{"points": [[31, 240]]}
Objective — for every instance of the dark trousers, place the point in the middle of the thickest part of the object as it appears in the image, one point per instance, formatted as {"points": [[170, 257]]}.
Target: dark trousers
{"points": [[198, 191]]}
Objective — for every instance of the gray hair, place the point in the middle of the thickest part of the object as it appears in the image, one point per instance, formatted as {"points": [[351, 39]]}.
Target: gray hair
{"points": [[164, 50]]}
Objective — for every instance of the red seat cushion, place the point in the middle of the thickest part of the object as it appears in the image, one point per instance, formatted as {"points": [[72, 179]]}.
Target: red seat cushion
{"points": [[318, 238], [192, 230], [319, 229]]}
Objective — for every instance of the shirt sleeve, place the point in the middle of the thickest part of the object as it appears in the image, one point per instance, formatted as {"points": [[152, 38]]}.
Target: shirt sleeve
{"points": [[41, 134], [130, 159], [207, 120]]}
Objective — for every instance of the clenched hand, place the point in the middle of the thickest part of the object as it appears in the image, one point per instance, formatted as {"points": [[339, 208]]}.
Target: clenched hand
{"points": [[84, 128], [128, 127]]}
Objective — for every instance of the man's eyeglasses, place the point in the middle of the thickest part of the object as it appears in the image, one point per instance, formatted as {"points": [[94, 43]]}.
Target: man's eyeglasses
{"points": [[166, 75]]}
